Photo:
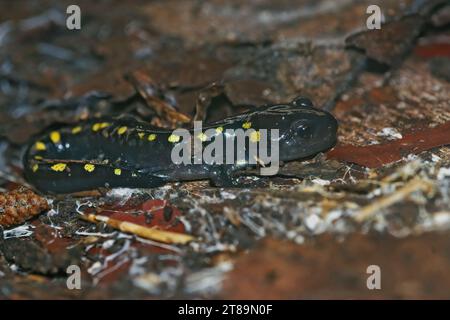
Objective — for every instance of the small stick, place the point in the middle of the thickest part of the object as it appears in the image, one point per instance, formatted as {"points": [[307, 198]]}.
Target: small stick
{"points": [[204, 100], [412, 186], [149, 91], [141, 231]]}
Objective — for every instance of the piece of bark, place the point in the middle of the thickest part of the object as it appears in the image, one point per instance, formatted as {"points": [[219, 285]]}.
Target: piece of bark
{"points": [[390, 43], [375, 156]]}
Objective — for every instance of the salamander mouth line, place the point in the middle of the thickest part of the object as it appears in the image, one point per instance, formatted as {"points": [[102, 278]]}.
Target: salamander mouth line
{"points": [[93, 161]]}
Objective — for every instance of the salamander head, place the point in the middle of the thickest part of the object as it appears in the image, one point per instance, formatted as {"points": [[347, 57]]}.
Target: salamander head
{"points": [[303, 130]]}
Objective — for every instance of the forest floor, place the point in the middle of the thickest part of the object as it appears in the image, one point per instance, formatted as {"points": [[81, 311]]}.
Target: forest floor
{"points": [[379, 198]]}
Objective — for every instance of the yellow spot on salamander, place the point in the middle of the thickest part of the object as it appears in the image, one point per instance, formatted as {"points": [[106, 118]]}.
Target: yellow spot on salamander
{"points": [[55, 136], [173, 138], [39, 145], [96, 126], [141, 135], [202, 137], [151, 137], [76, 130], [59, 167], [35, 168], [219, 129], [122, 130], [99, 125], [247, 125], [255, 136], [117, 172], [38, 157], [89, 167]]}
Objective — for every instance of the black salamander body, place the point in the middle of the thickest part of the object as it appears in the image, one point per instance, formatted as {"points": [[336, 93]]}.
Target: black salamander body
{"points": [[125, 152]]}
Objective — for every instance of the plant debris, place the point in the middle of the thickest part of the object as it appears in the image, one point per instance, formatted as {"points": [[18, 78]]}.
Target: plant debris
{"points": [[148, 233], [19, 205]]}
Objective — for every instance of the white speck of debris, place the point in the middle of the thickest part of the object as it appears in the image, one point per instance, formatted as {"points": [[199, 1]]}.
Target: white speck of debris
{"points": [[443, 173], [122, 193], [81, 204], [95, 234], [149, 282], [108, 244], [186, 223], [437, 221], [435, 158], [153, 282], [210, 199], [209, 280], [294, 236], [411, 157], [1, 274], [106, 271], [221, 247], [122, 250], [153, 243], [299, 239], [379, 225], [137, 267], [333, 216], [390, 133], [227, 195], [18, 232], [95, 268], [441, 218], [312, 222], [291, 234], [321, 182], [257, 229], [52, 212], [162, 192]]}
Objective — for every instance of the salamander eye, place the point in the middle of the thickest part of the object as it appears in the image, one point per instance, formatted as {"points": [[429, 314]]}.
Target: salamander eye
{"points": [[302, 102], [302, 129], [306, 132]]}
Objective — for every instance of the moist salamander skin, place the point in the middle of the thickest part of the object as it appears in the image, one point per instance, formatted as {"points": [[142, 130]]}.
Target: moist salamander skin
{"points": [[125, 152]]}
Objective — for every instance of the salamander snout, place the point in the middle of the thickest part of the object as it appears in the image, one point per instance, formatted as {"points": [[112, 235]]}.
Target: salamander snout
{"points": [[326, 131]]}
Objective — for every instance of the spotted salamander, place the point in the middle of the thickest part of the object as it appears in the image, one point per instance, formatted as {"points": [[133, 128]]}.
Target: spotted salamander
{"points": [[125, 152]]}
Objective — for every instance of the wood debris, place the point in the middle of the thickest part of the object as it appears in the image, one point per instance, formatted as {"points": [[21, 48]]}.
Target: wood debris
{"points": [[141, 231], [412, 186]]}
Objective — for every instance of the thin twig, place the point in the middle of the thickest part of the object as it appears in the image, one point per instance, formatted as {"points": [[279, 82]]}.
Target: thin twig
{"points": [[144, 232], [384, 202]]}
